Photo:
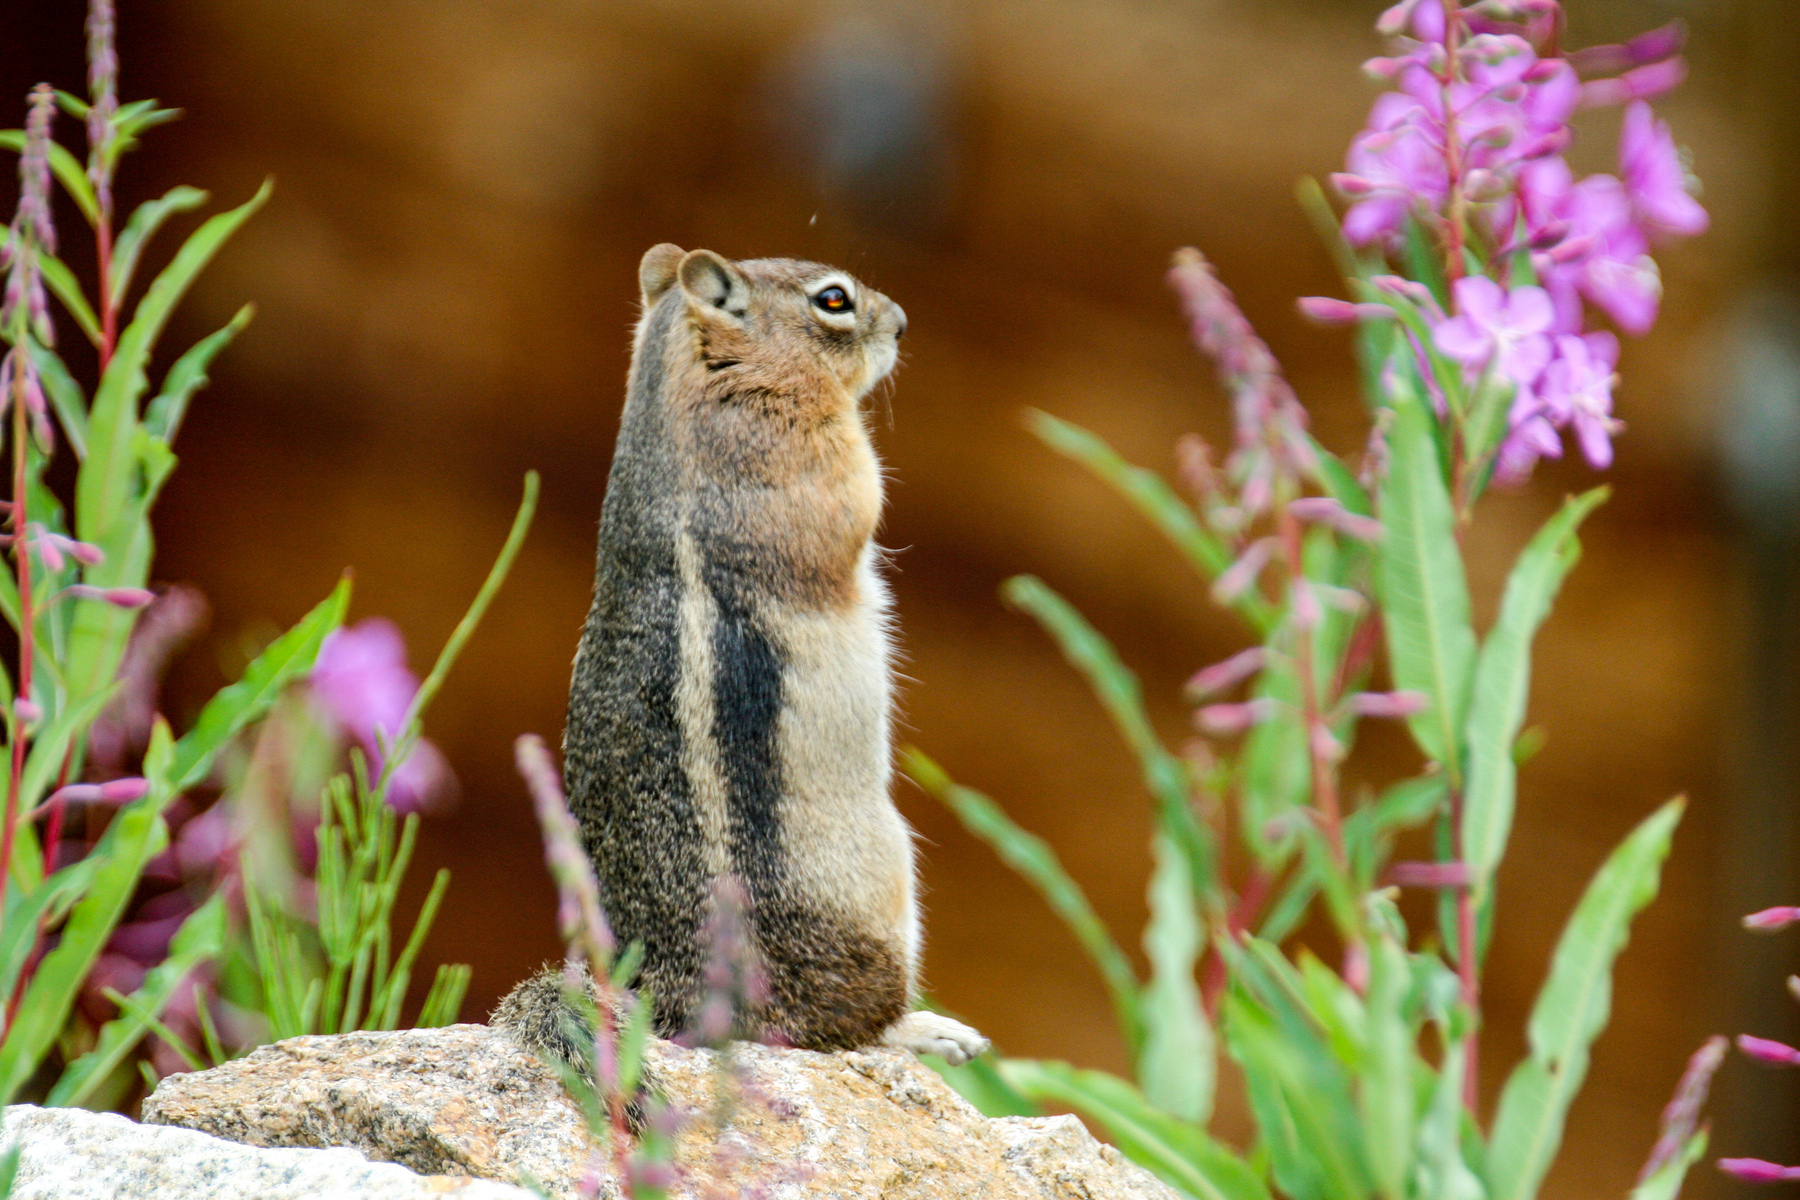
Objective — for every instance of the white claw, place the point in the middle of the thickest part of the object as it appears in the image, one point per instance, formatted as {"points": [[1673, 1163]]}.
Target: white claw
{"points": [[933, 1033]]}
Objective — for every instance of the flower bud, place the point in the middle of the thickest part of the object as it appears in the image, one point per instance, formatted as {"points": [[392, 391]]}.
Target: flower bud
{"points": [[1771, 919], [1755, 1170], [1324, 743], [1241, 575], [1388, 704], [1233, 671], [1778, 1054], [1428, 874], [27, 709], [1223, 719], [123, 597], [1351, 185], [125, 790], [1327, 311]]}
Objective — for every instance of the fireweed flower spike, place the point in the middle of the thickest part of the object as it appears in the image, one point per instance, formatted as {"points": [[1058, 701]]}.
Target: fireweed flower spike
{"points": [[1467, 148]]}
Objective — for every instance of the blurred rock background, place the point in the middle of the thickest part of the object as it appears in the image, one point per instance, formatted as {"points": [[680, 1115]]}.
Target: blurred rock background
{"points": [[445, 281]]}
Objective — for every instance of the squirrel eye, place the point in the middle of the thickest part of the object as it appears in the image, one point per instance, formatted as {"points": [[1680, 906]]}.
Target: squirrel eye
{"points": [[834, 300]]}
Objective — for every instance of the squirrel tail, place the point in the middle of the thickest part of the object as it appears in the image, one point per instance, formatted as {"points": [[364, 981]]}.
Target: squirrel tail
{"points": [[539, 1017]]}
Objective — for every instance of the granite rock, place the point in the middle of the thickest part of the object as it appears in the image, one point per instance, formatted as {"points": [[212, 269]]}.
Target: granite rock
{"points": [[73, 1154], [784, 1123]]}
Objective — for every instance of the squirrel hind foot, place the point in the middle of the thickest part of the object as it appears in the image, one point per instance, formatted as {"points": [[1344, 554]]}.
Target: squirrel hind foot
{"points": [[933, 1033]]}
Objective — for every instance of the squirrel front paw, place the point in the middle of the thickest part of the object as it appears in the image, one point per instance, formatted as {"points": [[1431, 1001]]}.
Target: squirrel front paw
{"points": [[933, 1033]]}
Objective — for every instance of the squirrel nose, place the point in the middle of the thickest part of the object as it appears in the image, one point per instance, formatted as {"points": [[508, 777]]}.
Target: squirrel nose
{"points": [[899, 321]]}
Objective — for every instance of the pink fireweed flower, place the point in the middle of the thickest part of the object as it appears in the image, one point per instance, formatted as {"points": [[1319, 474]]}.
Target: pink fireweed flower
{"points": [[362, 681], [1639, 84], [1577, 390], [1756, 1170], [1498, 328], [1778, 1054], [1768, 920], [1654, 177]]}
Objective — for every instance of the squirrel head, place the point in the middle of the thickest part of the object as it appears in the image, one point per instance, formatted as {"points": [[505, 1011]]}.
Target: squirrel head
{"points": [[778, 326]]}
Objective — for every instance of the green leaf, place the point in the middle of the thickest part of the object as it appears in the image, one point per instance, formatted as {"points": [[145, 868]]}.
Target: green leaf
{"points": [[142, 226], [979, 1082], [1154, 499], [1425, 598], [135, 835], [1442, 1172], [1502, 683], [443, 1003], [43, 906], [1036, 862], [1177, 1066], [1385, 1096], [1165, 776], [290, 656], [1180, 1153], [200, 939], [65, 396], [1301, 1100], [68, 169], [1572, 1009], [103, 488], [162, 417]]}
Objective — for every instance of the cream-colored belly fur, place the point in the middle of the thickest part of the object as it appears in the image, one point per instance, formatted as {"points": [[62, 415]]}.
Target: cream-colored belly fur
{"points": [[846, 847]]}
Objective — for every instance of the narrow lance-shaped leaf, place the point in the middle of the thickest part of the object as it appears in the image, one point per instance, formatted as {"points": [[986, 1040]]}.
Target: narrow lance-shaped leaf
{"points": [[1425, 597], [163, 415], [1037, 863], [1177, 1065], [1117, 688], [1572, 1009], [142, 226], [1503, 681], [288, 657], [200, 939], [102, 488], [1179, 1152], [1302, 1104], [1442, 1172], [1385, 1092], [1146, 491]]}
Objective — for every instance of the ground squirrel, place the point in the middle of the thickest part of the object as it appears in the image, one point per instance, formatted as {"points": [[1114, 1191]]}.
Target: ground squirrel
{"points": [[729, 711]]}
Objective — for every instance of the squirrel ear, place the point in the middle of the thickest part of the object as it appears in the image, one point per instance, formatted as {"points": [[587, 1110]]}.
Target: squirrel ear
{"points": [[711, 282], [656, 272]]}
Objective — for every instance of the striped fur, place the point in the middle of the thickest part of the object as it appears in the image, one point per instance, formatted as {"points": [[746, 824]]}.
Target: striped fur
{"points": [[729, 710]]}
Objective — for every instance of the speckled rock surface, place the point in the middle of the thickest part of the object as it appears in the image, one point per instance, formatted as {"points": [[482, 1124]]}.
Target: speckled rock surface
{"points": [[72, 1154], [867, 1123]]}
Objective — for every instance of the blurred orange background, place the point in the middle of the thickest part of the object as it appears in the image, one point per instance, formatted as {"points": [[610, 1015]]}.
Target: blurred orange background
{"points": [[445, 284]]}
